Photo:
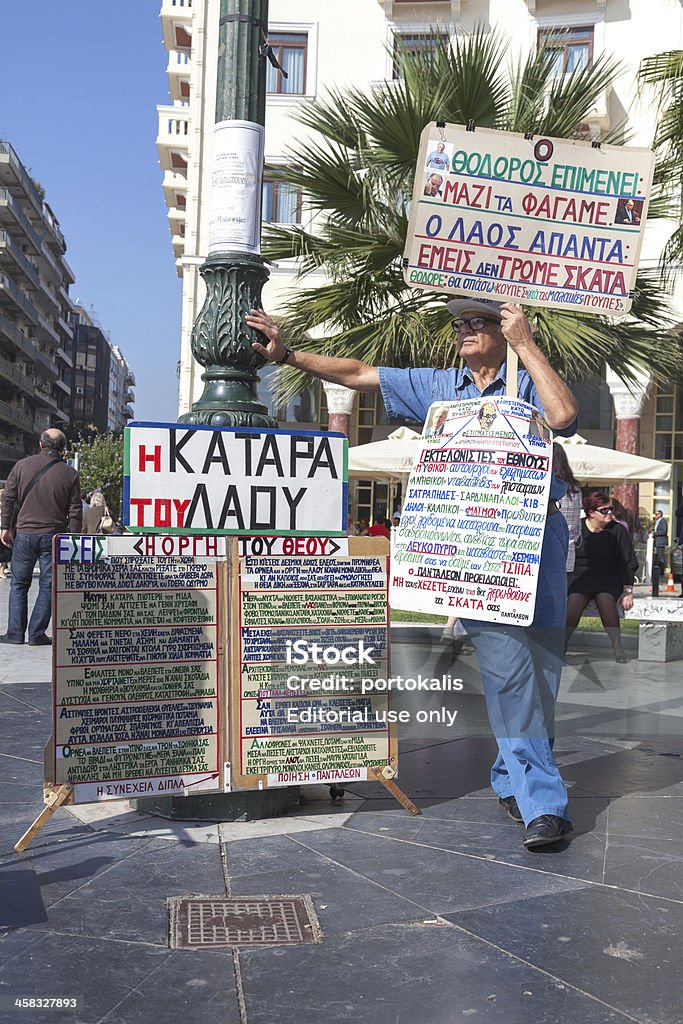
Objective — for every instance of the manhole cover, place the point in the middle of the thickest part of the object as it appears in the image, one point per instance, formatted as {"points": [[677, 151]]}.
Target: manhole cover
{"points": [[204, 922]]}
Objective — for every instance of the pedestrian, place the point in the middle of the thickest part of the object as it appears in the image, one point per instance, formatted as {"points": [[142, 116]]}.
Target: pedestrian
{"points": [[570, 506], [97, 508], [661, 538], [42, 498], [5, 551], [520, 668], [604, 570]]}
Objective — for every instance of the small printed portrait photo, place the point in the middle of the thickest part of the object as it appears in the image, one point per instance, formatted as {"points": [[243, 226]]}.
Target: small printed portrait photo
{"points": [[436, 424], [538, 426], [487, 415], [629, 211], [433, 185], [438, 156]]}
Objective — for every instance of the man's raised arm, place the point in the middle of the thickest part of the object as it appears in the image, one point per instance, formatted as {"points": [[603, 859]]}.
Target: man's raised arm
{"points": [[558, 402], [352, 373]]}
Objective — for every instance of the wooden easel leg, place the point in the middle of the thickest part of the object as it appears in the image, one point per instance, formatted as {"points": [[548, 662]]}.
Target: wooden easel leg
{"points": [[398, 794], [56, 798]]}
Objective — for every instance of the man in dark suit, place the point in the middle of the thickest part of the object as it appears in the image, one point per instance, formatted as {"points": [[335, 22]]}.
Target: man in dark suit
{"points": [[661, 536]]}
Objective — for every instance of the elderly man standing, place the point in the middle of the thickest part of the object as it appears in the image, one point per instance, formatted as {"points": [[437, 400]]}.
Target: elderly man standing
{"points": [[520, 667], [42, 498]]}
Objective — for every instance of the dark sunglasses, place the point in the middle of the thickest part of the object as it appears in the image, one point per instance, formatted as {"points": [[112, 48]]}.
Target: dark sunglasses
{"points": [[475, 323], [605, 510]]}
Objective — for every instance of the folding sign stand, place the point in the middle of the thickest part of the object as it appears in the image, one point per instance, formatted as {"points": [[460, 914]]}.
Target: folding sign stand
{"points": [[55, 796]]}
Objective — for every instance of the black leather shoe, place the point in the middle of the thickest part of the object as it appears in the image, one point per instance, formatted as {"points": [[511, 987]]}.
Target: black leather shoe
{"points": [[41, 641], [8, 640], [510, 805], [546, 830]]}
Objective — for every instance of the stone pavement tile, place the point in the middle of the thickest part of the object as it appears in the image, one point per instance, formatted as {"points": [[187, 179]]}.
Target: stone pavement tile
{"points": [[344, 900], [647, 817], [438, 880], [103, 972], [127, 900], [15, 819], [626, 772], [406, 974], [15, 943], [652, 866], [622, 948], [499, 841], [190, 986], [33, 881]]}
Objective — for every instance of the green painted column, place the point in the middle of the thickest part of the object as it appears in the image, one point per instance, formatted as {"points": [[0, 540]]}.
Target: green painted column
{"points": [[221, 341], [234, 271]]}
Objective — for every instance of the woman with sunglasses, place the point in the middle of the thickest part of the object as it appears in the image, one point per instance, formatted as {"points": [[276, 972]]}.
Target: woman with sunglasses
{"points": [[604, 570]]}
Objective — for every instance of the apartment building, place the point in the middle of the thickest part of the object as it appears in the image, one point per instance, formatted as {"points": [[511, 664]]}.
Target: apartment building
{"points": [[102, 396], [322, 43], [121, 394], [36, 339]]}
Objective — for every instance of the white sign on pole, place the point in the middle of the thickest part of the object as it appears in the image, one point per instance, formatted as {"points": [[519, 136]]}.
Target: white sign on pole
{"points": [[236, 187], [471, 531], [224, 480], [542, 221]]}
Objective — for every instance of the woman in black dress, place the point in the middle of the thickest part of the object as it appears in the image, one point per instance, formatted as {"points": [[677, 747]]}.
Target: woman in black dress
{"points": [[604, 570]]}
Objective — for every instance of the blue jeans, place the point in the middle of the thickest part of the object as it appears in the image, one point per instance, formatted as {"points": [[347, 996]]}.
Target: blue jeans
{"points": [[29, 548], [521, 670]]}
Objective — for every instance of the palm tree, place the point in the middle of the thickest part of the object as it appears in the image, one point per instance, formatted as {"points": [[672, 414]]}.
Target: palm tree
{"points": [[663, 73], [357, 168]]}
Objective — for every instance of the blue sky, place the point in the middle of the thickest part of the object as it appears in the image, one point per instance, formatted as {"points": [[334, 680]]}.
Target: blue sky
{"points": [[79, 81]]}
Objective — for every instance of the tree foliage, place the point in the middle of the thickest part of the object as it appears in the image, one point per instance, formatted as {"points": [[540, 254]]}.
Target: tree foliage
{"points": [[356, 170], [100, 464]]}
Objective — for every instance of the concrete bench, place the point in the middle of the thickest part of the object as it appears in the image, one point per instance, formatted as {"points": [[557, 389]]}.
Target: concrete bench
{"points": [[660, 636]]}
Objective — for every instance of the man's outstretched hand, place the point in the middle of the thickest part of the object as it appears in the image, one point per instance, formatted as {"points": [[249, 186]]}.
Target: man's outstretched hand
{"points": [[275, 350]]}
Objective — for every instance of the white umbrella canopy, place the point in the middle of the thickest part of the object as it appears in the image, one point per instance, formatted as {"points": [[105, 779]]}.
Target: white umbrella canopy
{"points": [[592, 464], [393, 459]]}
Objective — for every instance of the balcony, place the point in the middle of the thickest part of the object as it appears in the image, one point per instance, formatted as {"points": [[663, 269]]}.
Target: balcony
{"points": [[48, 297], [26, 345], [172, 138], [178, 71], [128, 396], [65, 358], [44, 396], [10, 253], [15, 417], [178, 243], [63, 386], [14, 297], [66, 329], [175, 188], [129, 378], [12, 171], [176, 24], [9, 206], [176, 220], [11, 373], [11, 452], [45, 327]]}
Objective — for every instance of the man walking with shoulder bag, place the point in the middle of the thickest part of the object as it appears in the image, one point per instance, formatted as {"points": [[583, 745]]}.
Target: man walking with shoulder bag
{"points": [[42, 498]]}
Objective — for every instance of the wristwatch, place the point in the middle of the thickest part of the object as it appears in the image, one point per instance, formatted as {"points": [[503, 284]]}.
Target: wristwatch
{"points": [[628, 590], [288, 353]]}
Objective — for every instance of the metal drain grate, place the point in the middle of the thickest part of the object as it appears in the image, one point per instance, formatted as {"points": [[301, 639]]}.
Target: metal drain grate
{"points": [[205, 922]]}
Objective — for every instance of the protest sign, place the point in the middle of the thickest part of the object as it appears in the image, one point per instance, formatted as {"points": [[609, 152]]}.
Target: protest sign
{"points": [[221, 480], [536, 220], [310, 665], [136, 700], [471, 531]]}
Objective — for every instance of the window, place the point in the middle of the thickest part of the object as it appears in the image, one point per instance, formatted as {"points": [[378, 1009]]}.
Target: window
{"points": [[290, 49], [281, 202], [413, 43], [567, 49]]}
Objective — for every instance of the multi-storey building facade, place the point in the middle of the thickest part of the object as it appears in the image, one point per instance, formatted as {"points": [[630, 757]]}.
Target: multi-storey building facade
{"points": [[102, 394], [36, 339], [121, 395], [324, 44]]}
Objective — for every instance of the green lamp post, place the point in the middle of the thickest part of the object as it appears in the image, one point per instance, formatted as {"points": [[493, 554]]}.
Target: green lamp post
{"points": [[234, 271]]}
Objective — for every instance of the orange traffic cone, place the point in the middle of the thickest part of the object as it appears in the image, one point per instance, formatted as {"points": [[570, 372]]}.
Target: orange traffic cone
{"points": [[670, 589]]}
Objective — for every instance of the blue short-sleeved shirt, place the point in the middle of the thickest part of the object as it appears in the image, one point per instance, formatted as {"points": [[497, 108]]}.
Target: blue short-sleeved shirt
{"points": [[410, 392]]}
